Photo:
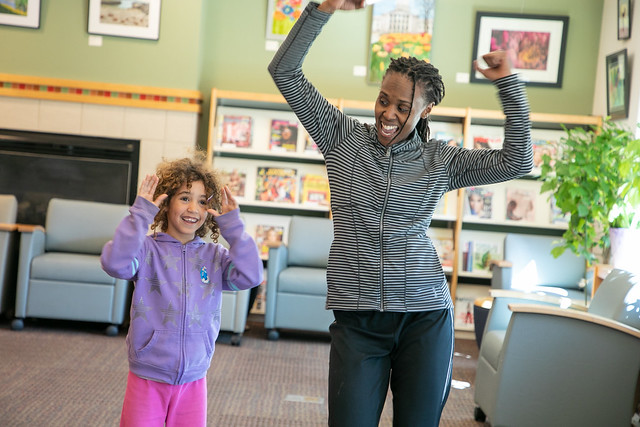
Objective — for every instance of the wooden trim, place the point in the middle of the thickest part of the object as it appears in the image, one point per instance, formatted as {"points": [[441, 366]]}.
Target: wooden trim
{"points": [[8, 227], [575, 314], [100, 93], [29, 228]]}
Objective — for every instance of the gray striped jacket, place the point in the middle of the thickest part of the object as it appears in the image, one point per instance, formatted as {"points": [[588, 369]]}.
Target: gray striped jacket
{"points": [[383, 198]]}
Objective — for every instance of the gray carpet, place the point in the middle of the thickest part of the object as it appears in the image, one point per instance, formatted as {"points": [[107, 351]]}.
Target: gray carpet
{"points": [[70, 374]]}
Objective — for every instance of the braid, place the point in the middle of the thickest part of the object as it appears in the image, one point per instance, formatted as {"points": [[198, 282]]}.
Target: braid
{"points": [[424, 75]]}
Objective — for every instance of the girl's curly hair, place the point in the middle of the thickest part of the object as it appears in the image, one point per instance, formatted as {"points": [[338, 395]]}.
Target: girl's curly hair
{"points": [[172, 175], [427, 77]]}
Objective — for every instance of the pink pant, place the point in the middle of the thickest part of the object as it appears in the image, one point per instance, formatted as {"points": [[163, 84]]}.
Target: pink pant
{"points": [[149, 403]]}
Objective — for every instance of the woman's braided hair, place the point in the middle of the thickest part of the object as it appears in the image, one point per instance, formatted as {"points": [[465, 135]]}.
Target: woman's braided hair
{"points": [[424, 75]]}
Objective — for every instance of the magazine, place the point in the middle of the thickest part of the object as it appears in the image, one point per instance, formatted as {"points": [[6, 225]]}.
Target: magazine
{"points": [[235, 179], [487, 142], [477, 202], [284, 136], [483, 254], [235, 131], [451, 139], [444, 248], [276, 184], [542, 147], [314, 190], [556, 215], [520, 205], [259, 304], [464, 314], [268, 236], [310, 146]]}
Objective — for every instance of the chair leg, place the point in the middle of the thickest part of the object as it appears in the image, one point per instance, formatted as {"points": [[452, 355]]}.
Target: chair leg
{"points": [[17, 324], [273, 335], [479, 415], [111, 331], [236, 339]]}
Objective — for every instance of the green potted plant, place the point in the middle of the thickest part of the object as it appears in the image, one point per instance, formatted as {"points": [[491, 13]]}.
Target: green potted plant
{"points": [[596, 181]]}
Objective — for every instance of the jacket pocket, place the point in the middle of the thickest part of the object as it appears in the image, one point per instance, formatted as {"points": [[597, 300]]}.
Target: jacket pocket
{"points": [[198, 350], [162, 350]]}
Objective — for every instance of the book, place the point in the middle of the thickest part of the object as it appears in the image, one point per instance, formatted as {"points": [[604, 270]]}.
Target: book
{"points": [[520, 205], [235, 131], [284, 136], [276, 184], [235, 179], [268, 236], [314, 190], [478, 202], [487, 142]]}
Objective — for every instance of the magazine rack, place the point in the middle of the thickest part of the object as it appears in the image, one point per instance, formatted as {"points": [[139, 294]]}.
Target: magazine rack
{"points": [[469, 226]]}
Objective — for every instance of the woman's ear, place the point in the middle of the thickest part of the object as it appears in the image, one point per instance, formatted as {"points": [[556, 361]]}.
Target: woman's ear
{"points": [[426, 111]]}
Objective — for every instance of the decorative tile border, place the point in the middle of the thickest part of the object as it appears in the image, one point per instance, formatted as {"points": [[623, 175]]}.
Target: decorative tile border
{"points": [[100, 93]]}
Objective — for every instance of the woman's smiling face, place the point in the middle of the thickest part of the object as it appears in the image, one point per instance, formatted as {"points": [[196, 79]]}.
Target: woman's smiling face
{"points": [[398, 109]]}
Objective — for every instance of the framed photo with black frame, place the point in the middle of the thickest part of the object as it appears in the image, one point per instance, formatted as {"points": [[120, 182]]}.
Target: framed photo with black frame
{"points": [[20, 13], [138, 19], [617, 85], [535, 45], [624, 19]]}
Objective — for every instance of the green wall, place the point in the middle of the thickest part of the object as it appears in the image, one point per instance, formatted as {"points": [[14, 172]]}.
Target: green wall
{"points": [[60, 48], [215, 43]]}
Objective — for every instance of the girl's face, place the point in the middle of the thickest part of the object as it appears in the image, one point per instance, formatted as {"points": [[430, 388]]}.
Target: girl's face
{"points": [[187, 212], [393, 105]]}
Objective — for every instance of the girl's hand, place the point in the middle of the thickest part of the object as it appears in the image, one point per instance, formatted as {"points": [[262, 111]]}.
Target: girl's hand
{"points": [[227, 202], [498, 65], [330, 6], [148, 188]]}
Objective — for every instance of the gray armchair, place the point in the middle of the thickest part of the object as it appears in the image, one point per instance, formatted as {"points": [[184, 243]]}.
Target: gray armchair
{"points": [[296, 278], [8, 251], [528, 266], [59, 272], [564, 367]]}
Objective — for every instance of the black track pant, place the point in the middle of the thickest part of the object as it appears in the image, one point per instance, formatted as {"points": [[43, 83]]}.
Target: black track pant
{"points": [[411, 352]]}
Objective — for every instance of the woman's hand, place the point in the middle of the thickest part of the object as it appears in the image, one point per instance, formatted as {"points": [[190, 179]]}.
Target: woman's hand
{"points": [[148, 188], [498, 65], [227, 202], [330, 6]]}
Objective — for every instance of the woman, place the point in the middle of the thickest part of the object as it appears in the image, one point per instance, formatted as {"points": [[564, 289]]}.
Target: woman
{"points": [[393, 311]]}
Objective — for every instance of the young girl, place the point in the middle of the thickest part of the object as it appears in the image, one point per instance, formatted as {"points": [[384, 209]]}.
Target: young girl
{"points": [[175, 310], [393, 311]]}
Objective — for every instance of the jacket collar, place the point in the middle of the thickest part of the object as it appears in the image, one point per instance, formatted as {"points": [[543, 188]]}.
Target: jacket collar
{"points": [[164, 237]]}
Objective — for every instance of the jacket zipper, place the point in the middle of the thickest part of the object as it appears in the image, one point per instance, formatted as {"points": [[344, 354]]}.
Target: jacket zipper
{"points": [[384, 208], [184, 314]]}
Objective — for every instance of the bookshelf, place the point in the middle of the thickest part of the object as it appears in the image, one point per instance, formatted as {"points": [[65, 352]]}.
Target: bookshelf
{"points": [[454, 225]]}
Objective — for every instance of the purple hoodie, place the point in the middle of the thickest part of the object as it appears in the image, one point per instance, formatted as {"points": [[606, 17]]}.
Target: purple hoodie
{"points": [[175, 309]]}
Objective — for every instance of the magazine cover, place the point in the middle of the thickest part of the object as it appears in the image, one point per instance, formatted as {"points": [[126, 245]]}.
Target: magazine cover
{"points": [[556, 215], [284, 136], [259, 304], [483, 254], [276, 184], [268, 236], [542, 147], [235, 131], [520, 205], [235, 179], [310, 146], [464, 314], [453, 140], [314, 190], [478, 202], [444, 248], [487, 142]]}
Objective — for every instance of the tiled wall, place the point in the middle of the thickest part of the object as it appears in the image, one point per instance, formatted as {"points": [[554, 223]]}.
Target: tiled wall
{"points": [[163, 133]]}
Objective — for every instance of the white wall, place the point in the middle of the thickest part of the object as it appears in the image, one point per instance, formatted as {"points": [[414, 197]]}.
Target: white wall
{"points": [[609, 44]]}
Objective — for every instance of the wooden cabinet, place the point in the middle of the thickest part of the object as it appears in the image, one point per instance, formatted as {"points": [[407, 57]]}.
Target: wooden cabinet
{"points": [[466, 239]]}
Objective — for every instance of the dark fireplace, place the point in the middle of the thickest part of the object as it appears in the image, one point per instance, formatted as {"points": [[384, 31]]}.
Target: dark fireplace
{"points": [[37, 166]]}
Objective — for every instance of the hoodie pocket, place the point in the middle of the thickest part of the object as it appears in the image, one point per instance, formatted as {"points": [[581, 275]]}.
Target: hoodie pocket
{"points": [[162, 350], [198, 350]]}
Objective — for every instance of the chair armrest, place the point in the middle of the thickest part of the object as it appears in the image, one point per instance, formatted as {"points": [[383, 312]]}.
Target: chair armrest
{"points": [[8, 227], [562, 302], [575, 314], [31, 245], [275, 264]]}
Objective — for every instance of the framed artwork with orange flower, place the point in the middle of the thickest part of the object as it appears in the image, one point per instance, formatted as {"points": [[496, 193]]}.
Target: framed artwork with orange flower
{"points": [[281, 15], [535, 45], [399, 28]]}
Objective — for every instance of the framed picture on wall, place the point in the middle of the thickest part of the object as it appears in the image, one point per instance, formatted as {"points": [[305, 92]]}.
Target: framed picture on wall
{"points": [[17, 13], [138, 19], [398, 28], [535, 45], [624, 19], [617, 85], [281, 15]]}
